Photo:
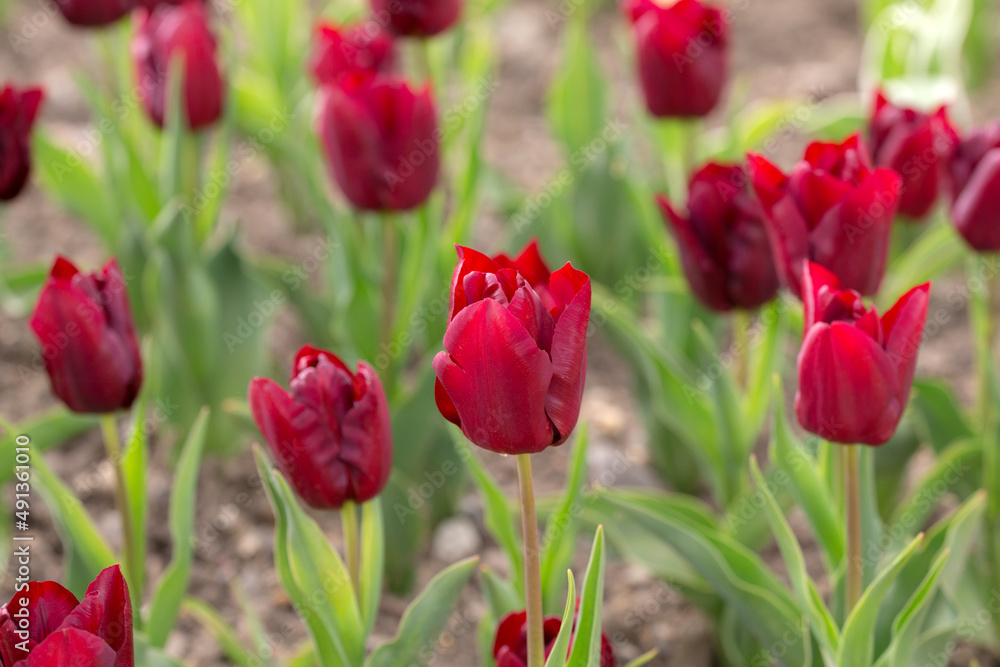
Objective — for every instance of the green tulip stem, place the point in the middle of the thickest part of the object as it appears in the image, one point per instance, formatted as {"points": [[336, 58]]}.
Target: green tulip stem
{"points": [[389, 279], [532, 563], [852, 504], [109, 429], [352, 544], [988, 426], [741, 341]]}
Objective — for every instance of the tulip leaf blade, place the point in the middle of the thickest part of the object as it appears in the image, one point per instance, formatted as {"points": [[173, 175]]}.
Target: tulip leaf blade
{"points": [[501, 595], [587, 642], [225, 635], [907, 625], [166, 602], [643, 659], [135, 461], [372, 561], [560, 649], [47, 431], [423, 620], [559, 539], [577, 103]]}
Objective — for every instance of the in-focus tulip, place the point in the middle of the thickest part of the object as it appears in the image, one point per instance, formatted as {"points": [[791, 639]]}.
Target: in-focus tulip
{"points": [[181, 34], [856, 369], [46, 626], [85, 327], [417, 18], [381, 141], [974, 181], [18, 109], [916, 145], [94, 13], [364, 48], [331, 435], [834, 209], [510, 648], [682, 55], [515, 351], [723, 244]]}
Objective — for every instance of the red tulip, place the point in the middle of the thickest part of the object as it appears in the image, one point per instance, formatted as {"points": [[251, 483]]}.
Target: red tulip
{"points": [[381, 141], [361, 48], [856, 369], [515, 358], [974, 180], [18, 109], [682, 55], [916, 146], [84, 324], [833, 209], [723, 244], [178, 34], [93, 13], [510, 648], [417, 18], [331, 436], [44, 625]]}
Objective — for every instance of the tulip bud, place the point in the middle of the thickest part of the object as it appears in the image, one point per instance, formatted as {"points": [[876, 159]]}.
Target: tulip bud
{"points": [[510, 647], [84, 324], [682, 55], [855, 369], [833, 209], [974, 182], [381, 141], [723, 244], [364, 48], [417, 18], [93, 13], [18, 109], [515, 351], [178, 34], [44, 625], [916, 146], [331, 435]]}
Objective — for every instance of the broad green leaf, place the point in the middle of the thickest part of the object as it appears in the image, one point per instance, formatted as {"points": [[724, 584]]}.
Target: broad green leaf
{"points": [[559, 540], [959, 464], [907, 626], [937, 409], [372, 561], [560, 649], [501, 595], [587, 640], [577, 100]]}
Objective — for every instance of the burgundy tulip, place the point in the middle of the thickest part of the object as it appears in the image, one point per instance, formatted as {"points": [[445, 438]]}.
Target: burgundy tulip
{"points": [[856, 369], [18, 109], [682, 55], [180, 33], [834, 209], [150, 4], [510, 648], [974, 183], [94, 13], [331, 435], [916, 145], [515, 351], [381, 141], [364, 48], [44, 625], [84, 324], [417, 18], [723, 244]]}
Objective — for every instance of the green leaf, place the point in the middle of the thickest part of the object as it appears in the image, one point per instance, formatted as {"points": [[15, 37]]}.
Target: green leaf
{"points": [[587, 641], [643, 659], [501, 595], [166, 602], [372, 561], [938, 249], [560, 649], [135, 460], [424, 619], [225, 635], [559, 540], [907, 626], [937, 409], [958, 465], [47, 431], [577, 106]]}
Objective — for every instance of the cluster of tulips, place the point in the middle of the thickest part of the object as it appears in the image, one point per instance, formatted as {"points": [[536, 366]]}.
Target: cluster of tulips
{"points": [[510, 369]]}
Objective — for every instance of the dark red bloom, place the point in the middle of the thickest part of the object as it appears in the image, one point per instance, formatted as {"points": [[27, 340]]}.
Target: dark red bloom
{"points": [[150, 4], [515, 352], [916, 145], [331, 435], [723, 244], [18, 109], [94, 13], [682, 55], [974, 182], [45, 625], [417, 18], [510, 648], [381, 141], [833, 209], [856, 369], [169, 33], [364, 48], [84, 324]]}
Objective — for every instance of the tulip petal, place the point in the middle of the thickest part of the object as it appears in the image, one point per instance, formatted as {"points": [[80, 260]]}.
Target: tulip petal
{"points": [[444, 404], [111, 590], [706, 278], [74, 648], [787, 229], [510, 632], [818, 285], [367, 439], [903, 325], [48, 605], [975, 209], [469, 261], [569, 350]]}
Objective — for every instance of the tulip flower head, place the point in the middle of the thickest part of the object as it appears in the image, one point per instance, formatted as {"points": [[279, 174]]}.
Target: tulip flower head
{"points": [[510, 647], [515, 352], [44, 625], [682, 55], [331, 434], [916, 145], [856, 368], [833, 209], [18, 109], [93, 13], [363, 48], [417, 18], [181, 34], [723, 245], [85, 327], [974, 181]]}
